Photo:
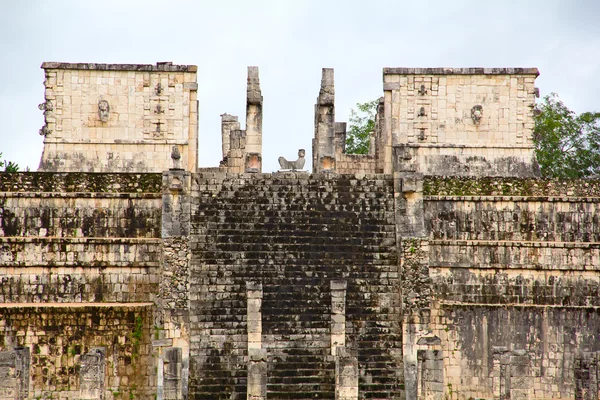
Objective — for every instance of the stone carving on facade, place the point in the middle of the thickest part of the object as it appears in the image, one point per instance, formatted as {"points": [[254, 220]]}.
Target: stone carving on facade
{"points": [[293, 165], [477, 113], [176, 157], [103, 110], [45, 131], [47, 106]]}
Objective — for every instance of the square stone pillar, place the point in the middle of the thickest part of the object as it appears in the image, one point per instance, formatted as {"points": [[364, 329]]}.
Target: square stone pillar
{"points": [[254, 105], [257, 374], [254, 316], [91, 374], [346, 375], [338, 314], [324, 140], [172, 369], [14, 374], [430, 374]]}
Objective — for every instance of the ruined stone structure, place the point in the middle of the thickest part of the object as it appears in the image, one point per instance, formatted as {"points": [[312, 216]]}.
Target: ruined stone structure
{"points": [[438, 266], [118, 117]]}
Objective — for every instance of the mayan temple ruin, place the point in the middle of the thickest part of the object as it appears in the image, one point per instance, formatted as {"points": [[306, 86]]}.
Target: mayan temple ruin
{"points": [[437, 266]]}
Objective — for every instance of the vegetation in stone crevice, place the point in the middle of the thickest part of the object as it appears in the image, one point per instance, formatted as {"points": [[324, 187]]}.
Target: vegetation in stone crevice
{"points": [[136, 336], [82, 182], [498, 186]]}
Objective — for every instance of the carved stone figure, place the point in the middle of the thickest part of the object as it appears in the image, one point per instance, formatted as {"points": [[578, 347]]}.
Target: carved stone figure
{"points": [[45, 131], [103, 110], [476, 113], [47, 106], [176, 157], [293, 165]]}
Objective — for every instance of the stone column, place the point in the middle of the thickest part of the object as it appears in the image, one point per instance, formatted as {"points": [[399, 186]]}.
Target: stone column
{"points": [[254, 104], [501, 373], [511, 377], [237, 150], [14, 371], [338, 314], [257, 374], [254, 316], [91, 374], [379, 140], [173, 300], [323, 143], [340, 138], [257, 357], [172, 366], [228, 124], [176, 203], [431, 374], [411, 240], [346, 375]]}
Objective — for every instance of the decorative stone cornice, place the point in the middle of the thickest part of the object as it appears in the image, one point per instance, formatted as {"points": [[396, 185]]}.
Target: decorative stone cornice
{"points": [[160, 66]]}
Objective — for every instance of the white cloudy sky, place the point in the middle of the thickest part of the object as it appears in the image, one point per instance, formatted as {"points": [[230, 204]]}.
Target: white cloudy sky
{"points": [[290, 41]]}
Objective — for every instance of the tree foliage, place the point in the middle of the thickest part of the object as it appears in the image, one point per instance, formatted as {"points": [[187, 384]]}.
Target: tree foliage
{"points": [[8, 166], [361, 125], [567, 145]]}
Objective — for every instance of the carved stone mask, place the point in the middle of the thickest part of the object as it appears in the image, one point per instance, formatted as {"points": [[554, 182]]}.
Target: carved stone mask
{"points": [[103, 110], [477, 113]]}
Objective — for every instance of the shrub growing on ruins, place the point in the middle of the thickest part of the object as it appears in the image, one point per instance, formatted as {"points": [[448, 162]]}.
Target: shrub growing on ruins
{"points": [[361, 125], [9, 166], [567, 145]]}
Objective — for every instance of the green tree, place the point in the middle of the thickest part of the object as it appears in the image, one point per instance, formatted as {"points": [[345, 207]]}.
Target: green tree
{"points": [[361, 125], [8, 166], [567, 145]]}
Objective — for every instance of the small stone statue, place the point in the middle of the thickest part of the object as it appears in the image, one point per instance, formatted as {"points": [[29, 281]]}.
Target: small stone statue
{"points": [[175, 156], [103, 110], [293, 165]]}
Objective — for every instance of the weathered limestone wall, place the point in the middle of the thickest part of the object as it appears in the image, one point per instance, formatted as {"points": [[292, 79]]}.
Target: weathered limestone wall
{"points": [[76, 237], [119, 117], [354, 163], [77, 351], [292, 278], [461, 121], [79, 271], [514, 266]]}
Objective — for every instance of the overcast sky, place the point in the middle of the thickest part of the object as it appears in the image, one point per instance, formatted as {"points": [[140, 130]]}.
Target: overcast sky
{"points": [[290, 41]]}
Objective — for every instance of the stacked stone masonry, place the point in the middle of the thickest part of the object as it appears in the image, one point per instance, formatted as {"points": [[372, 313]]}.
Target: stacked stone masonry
{"points": [[79, 272], [59, 336], [515, 266], [460, 121], [79, 237], [437, 266], [114, 117], [295, 234]]}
